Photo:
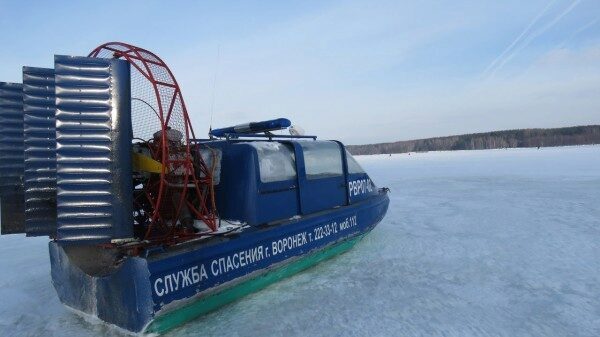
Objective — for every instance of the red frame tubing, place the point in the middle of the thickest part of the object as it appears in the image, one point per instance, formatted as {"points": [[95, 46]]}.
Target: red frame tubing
{"points": [[135, 55]]}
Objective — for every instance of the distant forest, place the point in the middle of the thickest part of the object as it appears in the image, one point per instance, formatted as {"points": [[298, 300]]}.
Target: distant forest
{"points": [[576, 135]]}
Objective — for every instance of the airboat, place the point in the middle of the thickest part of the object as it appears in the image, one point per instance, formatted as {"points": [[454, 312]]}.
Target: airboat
{"points": [[149, 226]]}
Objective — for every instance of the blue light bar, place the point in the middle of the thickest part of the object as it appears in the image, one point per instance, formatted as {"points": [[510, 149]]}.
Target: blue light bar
{"points": [[254, 127]]}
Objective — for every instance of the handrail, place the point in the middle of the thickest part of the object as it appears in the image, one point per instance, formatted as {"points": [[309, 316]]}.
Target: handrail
{"points": [[229, 136]]}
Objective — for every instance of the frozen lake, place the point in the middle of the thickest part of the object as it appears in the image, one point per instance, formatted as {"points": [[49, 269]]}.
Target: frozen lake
{"points": [[475, 243]]}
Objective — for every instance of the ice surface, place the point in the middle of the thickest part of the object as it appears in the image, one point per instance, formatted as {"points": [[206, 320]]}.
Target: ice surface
{"points": [[476, 243]]}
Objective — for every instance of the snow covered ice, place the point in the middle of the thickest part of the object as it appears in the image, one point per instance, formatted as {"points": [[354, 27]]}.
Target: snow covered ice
{"points": [[475, 243]]}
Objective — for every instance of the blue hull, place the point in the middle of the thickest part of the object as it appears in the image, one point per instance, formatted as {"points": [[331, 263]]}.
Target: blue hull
{"points": [[144, 288]]}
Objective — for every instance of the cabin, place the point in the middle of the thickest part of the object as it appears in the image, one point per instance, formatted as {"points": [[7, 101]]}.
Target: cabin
{"points": [[263, 182]]}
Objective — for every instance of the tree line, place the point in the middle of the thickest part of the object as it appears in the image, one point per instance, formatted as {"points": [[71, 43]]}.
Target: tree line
{"points": [[576, 135]]}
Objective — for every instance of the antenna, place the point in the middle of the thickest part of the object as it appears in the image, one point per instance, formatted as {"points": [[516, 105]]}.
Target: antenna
{"points": [[214, 89]]}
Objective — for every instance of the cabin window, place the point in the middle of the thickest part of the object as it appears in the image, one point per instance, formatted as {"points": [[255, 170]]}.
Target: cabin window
{"points": [[353, 166], [276, 161], [322, 159]]}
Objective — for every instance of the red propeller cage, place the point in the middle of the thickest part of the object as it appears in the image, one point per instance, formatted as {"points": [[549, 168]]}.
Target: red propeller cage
{"points": [[158, 106]]}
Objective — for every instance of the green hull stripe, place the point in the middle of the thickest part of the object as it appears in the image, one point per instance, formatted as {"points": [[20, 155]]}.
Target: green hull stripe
{"points": [[204, 305]]}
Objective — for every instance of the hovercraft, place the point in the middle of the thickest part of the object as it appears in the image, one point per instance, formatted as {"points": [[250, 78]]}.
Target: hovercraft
{"points": [[150, 226]]}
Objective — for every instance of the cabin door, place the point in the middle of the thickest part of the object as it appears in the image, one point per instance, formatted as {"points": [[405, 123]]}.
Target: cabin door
{"points": [[322, 181]]}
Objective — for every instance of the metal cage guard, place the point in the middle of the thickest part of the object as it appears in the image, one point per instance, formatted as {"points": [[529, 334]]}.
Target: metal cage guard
{"points": [[158, 113]]}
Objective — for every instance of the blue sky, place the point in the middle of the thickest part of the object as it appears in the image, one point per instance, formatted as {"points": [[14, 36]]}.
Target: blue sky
{"points": [[358, 71]]}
